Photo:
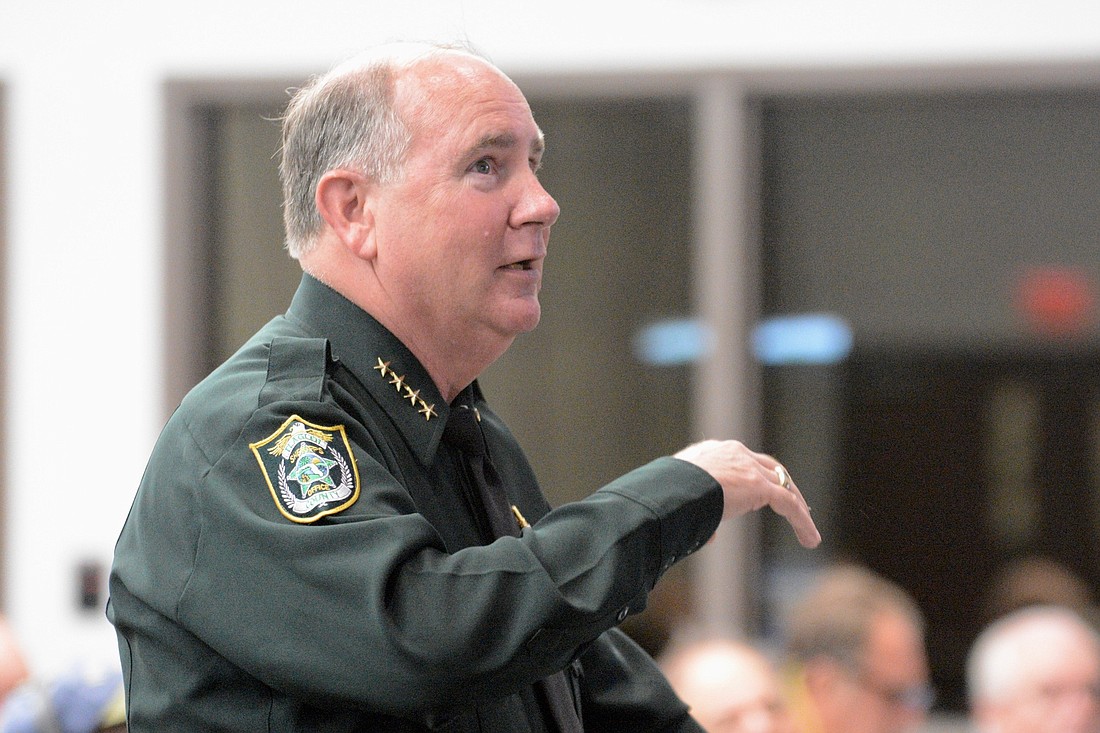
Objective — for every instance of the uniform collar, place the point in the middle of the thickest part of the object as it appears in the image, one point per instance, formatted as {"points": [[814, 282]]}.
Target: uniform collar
{"points": [[393, 377]]}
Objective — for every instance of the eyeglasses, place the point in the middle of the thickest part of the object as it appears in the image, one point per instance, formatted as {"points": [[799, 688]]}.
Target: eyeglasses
{"points": [[915, 698], [1055, 693]]}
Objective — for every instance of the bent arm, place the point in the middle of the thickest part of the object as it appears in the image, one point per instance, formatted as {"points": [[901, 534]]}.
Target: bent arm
{"points": [[367, 607]]}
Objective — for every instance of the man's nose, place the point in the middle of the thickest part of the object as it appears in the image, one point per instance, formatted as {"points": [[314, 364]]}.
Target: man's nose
{"points": [[536, 205]]}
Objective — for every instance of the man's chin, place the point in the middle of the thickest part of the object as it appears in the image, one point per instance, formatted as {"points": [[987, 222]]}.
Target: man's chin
{"points": [[524, 318]]}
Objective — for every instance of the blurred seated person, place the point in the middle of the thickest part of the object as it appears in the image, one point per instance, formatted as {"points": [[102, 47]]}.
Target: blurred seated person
{"points": [[855, 643], [83, 700], [731, 687], [1036, 670], [13, 666], [1035, 580]]}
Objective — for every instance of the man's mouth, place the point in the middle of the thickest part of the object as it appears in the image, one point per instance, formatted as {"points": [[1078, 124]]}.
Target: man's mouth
{"points": [[523, 265]]}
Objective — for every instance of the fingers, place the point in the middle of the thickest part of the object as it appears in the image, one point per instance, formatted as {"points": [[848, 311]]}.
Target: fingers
{"points": [[798, 515], [752, 480], [791, 505], [787, 501]]}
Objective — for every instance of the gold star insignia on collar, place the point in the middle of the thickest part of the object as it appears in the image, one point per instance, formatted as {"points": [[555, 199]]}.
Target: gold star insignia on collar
{"points": [[412, 395]]}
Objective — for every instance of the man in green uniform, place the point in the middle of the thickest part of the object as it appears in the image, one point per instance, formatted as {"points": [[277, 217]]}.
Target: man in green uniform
{"points": [[334, 531]]}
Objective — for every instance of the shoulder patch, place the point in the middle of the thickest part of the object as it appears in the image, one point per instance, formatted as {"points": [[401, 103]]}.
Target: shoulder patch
{"points": [[309, 469]]}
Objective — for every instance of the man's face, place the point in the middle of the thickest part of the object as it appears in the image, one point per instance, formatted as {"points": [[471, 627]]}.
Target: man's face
{"points": [[463, 234], [889, 694], [754, 707], [1058, 691], [733, 690]]}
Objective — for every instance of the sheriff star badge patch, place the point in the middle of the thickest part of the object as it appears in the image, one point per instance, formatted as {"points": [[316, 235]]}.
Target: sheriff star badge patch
{"points": [[309, 468]]}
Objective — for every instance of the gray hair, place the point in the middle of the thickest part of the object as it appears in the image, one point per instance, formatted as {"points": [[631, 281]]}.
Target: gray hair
{"points": [[346, 118]]}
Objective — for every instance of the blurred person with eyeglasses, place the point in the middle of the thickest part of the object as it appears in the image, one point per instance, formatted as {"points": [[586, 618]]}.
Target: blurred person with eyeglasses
{"points": [[856, 656], [1036, 670]]}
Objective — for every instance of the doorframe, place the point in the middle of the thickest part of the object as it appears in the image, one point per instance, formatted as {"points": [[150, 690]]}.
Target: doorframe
{"points": [[187, 233]]}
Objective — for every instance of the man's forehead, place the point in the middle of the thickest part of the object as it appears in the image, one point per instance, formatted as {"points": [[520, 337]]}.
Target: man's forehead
{"points": [[481, 106], [449, 73]]}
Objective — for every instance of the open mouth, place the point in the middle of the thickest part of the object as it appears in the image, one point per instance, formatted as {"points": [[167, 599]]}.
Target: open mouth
{"points": [[523, 265]]}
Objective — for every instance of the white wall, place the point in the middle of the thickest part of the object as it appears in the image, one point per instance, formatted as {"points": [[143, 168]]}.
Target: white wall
{"points": [[85, 232]]}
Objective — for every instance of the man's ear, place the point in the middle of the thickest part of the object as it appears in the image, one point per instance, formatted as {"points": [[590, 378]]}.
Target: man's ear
{"points": [[343, 201]]}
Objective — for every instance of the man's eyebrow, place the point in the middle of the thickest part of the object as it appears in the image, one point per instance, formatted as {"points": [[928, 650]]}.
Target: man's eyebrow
{"points": [[505, 141]]}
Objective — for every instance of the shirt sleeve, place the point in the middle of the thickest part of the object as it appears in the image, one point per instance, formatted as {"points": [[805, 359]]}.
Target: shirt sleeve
{"points": [[366, 606]]}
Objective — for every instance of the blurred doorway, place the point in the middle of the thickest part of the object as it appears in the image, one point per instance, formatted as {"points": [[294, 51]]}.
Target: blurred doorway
{"points": [[956, 464], [957, 435]]}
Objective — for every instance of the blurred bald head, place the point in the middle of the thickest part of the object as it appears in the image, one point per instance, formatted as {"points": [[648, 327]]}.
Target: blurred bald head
{"points": [[730, 686], [1036, 670]]}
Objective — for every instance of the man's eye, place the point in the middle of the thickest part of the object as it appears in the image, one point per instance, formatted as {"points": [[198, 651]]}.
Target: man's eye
{"points": [[484, 166]]}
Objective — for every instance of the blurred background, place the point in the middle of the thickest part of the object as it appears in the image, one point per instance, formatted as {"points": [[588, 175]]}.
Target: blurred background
{"points": [[862, 236]]}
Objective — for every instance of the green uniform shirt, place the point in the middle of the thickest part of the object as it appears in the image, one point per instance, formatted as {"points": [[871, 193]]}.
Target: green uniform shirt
{"points": [[302, 555]]}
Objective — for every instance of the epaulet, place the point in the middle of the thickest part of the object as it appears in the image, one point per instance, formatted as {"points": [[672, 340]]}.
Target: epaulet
{"points": [[296, 369]]}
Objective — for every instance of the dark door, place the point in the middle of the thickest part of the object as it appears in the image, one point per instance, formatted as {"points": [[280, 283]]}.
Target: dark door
{"points": [[953, 466]]}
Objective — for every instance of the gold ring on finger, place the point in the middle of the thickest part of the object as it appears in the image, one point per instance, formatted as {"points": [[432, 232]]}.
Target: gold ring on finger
{"points": [[784, 477]]}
